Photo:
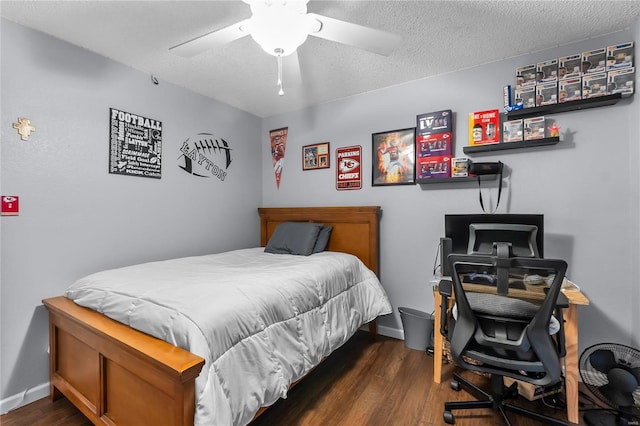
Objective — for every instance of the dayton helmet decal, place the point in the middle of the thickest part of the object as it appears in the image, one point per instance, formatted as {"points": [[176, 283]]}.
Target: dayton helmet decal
{"points": [[198, 154]]}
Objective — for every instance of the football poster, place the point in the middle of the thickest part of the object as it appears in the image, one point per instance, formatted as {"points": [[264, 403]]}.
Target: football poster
{"points": [[278, 139], [135, 145]]}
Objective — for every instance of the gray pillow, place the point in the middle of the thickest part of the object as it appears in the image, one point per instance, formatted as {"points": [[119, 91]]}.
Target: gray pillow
{"points": [[323, 239], [294, 238]]}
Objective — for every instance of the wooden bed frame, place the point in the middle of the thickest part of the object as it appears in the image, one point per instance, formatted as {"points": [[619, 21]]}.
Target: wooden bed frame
{"points": [[117, 375]]}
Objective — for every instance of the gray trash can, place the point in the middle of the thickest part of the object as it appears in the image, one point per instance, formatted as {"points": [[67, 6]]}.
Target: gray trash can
{"points": [[418, 328]]}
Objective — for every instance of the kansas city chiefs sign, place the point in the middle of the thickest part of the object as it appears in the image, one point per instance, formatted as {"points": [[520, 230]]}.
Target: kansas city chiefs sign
{"points": [[349, 170]]}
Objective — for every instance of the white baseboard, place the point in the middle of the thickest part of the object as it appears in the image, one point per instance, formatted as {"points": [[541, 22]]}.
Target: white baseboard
{"points": [[386, 331], [27, 397], [396, 333]]}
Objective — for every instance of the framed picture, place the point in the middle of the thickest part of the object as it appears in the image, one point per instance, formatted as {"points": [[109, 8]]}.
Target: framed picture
{"points": [[315, 156], [393, 157]]}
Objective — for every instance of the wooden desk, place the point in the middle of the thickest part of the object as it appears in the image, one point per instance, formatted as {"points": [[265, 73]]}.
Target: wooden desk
{"points": [[575, 298]]}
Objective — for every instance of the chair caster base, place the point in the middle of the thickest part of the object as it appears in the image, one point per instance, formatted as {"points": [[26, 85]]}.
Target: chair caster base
{"points": [[448, 418]]}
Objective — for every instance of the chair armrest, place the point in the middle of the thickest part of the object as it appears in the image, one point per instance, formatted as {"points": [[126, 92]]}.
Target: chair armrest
{"points": [[562, 301], [445, 287], [560, 339]]}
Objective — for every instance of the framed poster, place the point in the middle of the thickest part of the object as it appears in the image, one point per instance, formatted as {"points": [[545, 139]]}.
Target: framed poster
{"points": [[349, 168], [135, 145], [393, 159], [315, 156]]}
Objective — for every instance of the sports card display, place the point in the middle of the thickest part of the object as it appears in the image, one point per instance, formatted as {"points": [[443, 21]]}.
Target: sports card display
{"points": [[434, 122], [434, 167], [434, 145]]}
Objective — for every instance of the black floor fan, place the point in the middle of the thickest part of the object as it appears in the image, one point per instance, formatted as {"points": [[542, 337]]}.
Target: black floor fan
{"points": [[611, 372]]}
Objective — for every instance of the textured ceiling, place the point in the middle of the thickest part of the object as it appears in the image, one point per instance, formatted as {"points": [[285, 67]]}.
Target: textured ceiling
{"points": [[438, 37]]}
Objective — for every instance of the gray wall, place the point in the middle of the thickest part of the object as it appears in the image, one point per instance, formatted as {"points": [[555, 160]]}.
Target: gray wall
{"points": [[587, 186], [76, 218]]}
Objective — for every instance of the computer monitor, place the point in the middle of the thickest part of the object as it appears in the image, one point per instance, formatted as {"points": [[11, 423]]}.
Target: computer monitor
{"points": [[457, 233]]}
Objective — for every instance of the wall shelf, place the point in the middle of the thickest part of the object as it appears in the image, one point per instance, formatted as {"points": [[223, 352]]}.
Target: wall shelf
{"points": [[456, 179], [510, 145], [564, 107]]}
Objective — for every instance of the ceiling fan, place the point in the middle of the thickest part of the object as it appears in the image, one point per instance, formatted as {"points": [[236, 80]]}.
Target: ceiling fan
{"points": [[281, 26]]}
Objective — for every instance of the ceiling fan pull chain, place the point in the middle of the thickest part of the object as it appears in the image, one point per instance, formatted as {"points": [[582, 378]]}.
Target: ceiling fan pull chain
{"points": [[279, 58]]}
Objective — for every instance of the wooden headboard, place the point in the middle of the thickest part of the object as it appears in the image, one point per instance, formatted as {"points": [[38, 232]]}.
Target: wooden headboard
{"points": [[355, 229]]}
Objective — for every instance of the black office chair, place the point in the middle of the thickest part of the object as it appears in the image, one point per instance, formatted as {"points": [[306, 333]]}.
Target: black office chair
{"points": [[504, 306]]}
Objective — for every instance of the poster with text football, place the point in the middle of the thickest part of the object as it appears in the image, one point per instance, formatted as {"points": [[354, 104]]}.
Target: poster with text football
{"points": [[135, 145], [278, 139]]}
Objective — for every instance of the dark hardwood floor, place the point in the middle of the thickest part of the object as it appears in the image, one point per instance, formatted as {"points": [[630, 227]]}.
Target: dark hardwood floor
{"points": [[364, 382]]}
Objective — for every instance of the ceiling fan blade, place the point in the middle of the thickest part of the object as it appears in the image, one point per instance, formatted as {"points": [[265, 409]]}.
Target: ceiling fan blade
{"points": [[292, 77], [208, 41], [370, 39]]}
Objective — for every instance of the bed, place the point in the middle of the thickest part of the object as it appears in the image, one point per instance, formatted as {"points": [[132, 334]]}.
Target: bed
{"points": [[117, 375]]}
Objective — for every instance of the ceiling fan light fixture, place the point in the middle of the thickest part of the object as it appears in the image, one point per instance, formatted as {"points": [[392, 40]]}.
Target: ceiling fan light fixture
{"points": [[280, 26]]}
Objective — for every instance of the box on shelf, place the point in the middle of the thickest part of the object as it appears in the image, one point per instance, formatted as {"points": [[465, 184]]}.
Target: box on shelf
{"points": [[437, 144], [507, 100], [533, 392], [594, 85], [594, 61], [569, 89], [621, 80], [547, 71], [433, 167], [526, 96], [512, 131], [570, 66], [534, 128], [620, 56], [526, 76], [434, 122], [547, 94], [459, 167], [484, 127]]}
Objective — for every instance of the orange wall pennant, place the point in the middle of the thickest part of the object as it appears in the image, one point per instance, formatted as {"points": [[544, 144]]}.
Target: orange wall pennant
{"points": [[278, 145]]}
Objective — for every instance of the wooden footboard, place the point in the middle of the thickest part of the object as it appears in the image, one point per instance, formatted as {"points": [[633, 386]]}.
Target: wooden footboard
{"points": [[115, 374]]}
